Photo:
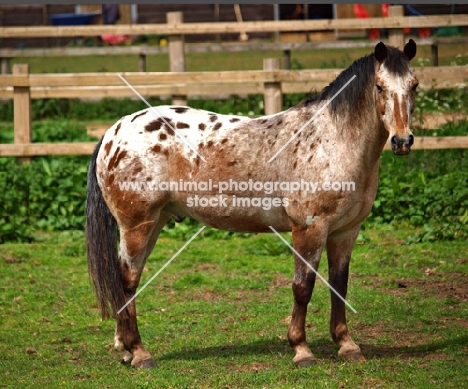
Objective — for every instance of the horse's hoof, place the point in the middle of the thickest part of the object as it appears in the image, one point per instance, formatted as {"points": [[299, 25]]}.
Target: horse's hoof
{"points": [[306, 363], [145, 364], [351, 354]]}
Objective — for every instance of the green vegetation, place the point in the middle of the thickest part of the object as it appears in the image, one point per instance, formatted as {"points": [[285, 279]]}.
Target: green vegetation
{"points": [[217, 320], [428, 189], [214, 319]]}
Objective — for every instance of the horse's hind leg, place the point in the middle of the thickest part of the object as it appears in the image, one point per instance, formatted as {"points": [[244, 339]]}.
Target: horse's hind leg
{"points": [[136, 245], [339, 250]]}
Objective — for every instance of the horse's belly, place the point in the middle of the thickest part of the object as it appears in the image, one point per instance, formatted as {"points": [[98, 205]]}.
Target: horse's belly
{"points": [[234, 213]]}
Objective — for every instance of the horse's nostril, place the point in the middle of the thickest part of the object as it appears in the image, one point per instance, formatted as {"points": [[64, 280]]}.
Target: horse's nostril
{"points": [[411, 140], [393, 140]]}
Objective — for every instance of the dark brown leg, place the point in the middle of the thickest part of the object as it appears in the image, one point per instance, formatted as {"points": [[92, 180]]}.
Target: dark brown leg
{"points": [[309, 243], [136, 246], [339, 250]]}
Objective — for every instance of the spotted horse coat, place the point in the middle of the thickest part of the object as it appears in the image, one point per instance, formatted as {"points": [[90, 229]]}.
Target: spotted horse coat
{"points": [[337, 136]]}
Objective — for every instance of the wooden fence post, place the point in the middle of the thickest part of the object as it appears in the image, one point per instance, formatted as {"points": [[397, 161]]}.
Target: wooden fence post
{"points": [[142, 62], [396, 36], [5, 65], [435, 53], [176, 53], [287, 59], [272, 91], [22, 108]]}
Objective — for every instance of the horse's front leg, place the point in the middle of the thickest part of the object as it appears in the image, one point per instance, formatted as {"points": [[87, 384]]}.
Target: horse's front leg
{"points": [[308, 242], [339, 250]]}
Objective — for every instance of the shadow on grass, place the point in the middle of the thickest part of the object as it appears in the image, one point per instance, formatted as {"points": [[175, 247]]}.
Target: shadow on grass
{"points": [[322, 349], [419, 351]]}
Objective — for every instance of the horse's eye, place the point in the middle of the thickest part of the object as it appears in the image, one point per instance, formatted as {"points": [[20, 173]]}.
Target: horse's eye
{"points": [[379, 88], [415, 86]]}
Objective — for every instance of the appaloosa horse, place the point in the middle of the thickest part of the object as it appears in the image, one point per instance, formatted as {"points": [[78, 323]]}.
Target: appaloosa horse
{"points": [[335, 141]]}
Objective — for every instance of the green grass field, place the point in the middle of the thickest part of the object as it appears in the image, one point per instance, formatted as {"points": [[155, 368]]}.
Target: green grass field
{"points": [[217, 316], [252, 60]]}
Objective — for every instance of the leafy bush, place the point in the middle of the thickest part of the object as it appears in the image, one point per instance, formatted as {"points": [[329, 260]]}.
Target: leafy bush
{"points": [[428, 189], [46, 194]]}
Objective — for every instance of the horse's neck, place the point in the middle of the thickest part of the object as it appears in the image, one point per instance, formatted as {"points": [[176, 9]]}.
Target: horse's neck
{"points": [[359, 137]]}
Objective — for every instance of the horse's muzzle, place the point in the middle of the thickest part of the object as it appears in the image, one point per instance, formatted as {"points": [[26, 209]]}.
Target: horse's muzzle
{"points": [[401, 146]]}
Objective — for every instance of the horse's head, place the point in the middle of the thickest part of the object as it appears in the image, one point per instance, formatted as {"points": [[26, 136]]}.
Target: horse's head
{"points": [[395, 86]]}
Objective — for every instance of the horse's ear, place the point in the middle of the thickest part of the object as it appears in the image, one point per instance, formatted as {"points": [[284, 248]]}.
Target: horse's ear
{"points": [[380, 52], [410, 49]]}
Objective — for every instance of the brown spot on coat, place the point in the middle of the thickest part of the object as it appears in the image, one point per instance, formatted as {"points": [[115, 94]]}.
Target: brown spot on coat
{"points": [[233, 120], [156, 149], [137, 116], [224, 141], [116, 158], [209, 144], [217, 126], [117, 128], [162, 136], [155, 125], [180, 109], [137, 169], [169, 130], [213, 118], [107, 147], [182, 125], [201, 126]]}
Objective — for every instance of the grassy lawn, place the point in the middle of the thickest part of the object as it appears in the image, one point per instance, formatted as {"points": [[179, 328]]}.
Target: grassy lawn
{"points": [[217, 316], [307, 59]]}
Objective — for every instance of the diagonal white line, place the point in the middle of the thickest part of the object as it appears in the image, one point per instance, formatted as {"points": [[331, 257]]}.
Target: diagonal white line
{"points": [[164, 120], [311, 268], [312, 118], [160, 270]]}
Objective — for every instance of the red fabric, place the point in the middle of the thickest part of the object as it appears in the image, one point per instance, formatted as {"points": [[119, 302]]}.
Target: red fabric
{"points": [[360, 11], [385, 10], [115, 39]]}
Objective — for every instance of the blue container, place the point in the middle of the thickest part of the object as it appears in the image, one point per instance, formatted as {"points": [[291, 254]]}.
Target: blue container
{"points": [[72, 19]]}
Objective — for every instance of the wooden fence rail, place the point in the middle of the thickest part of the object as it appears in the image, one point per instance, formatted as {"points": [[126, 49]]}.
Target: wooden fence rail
{"points": [[143, 51], [175, 29], [181, 28], [271, 82]]}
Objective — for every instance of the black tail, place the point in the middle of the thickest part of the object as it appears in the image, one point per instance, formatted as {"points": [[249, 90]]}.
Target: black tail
{"points": [[101, 248]]}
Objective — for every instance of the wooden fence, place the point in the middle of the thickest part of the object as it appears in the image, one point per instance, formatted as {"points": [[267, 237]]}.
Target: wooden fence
{"points": [[394, 21], [143, 51], [175, 28], [271, 82]]}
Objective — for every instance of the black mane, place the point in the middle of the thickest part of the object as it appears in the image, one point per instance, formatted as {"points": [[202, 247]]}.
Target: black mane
{"points": [[354, 95]]}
